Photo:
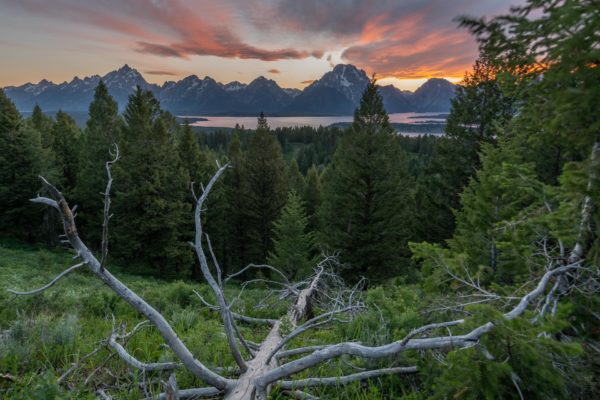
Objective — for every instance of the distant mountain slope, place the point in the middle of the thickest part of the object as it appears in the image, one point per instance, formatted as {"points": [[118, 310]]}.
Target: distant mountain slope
{"points": [[337, 92]]}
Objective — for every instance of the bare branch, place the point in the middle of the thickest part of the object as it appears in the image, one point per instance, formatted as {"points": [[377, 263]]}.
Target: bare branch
{"points": [[425, 328], [342, 380], [180, 350], [191, 393], [466, 340], [49, 284], [214, 259], [45, 201], [299, 350], [107, 205], [214, 285], [134, 362], [259, 266]]}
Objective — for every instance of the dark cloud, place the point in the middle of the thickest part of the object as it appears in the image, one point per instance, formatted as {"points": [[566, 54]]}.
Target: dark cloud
{"points": [[308, 82], [274, 71]]}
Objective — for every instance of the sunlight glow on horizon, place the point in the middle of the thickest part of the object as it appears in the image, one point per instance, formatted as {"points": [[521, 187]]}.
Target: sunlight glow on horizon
{"points": [[231, 40]]}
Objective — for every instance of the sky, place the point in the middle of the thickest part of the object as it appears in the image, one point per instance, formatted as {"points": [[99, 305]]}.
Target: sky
{"points": [[293, 42]]}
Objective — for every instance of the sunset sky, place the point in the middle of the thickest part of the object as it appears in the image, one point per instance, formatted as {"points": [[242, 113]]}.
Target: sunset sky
{"points": [[291, 41]]}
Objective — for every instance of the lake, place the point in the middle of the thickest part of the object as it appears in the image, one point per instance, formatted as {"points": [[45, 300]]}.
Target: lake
{"points": [[314, 121]]}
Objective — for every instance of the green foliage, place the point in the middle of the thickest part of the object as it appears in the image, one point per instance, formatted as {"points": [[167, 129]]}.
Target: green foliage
{"points": [[312, 198], [548, 50], [295, 179], [517, 355], [66, 147], [150, 191], [102, 131], [264, 173], [480, 112], [367, 198], [503, 188], [293, 245], [22, 159], [237, 225]]}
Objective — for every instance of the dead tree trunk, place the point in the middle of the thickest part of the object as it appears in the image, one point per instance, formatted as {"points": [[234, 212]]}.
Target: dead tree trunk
{"points": [[264, 366]]}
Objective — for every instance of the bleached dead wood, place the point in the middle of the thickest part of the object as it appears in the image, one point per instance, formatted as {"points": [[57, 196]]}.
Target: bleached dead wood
{"points": [[261, 371]]}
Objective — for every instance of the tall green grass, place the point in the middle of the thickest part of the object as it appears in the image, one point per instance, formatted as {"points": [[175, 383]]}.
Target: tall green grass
{"points": [[42, 335]]}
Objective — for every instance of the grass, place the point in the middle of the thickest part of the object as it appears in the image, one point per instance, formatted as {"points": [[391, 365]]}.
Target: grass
{"points": [[42, 335]]}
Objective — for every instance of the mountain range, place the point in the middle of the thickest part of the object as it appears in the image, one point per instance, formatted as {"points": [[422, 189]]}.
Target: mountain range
{"points": [[337, 92]]}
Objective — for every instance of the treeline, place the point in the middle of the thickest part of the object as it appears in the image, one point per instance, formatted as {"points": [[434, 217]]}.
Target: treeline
{"points": [[350, 190]]}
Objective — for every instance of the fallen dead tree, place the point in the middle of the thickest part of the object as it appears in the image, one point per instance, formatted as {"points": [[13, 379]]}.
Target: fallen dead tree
{"points": [[263, 366]]}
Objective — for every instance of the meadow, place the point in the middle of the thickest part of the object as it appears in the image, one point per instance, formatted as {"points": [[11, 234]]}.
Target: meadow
{"points": [[44, 335]]}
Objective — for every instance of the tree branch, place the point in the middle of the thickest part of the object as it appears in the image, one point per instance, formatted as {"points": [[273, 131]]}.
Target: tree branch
{"points": [[173, 341], [214, 285], [106, 213], [49, 284], [391, 349], [343, 380]]}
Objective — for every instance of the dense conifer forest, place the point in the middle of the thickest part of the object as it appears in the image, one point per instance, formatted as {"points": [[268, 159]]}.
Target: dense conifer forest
{"points": [[475, 253]]}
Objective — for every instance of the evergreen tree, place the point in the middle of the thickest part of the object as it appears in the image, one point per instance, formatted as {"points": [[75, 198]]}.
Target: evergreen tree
{"points": [[150, 207], [43, 124], [193, 159], [546, 53], [102, 132], [293, 245], [235, 185], [66, 147], [501, 190], [21, 160], [312, 198], [264, 172], [295, 180], [479, 114], [367, 201]]}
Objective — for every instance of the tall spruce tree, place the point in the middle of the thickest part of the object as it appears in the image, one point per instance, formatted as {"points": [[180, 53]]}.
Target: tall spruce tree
{"points": [[22, 159], [312, 198], [65, 146], [43, 124], [102, 132], [367, 199], [235, 185], [480, 112], [264, 172], [150, 191], [293, 248], [502, 189], [295, 179]]}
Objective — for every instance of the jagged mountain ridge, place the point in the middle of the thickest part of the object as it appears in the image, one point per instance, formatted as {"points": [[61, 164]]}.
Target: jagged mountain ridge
{"points": [[337, 92]]}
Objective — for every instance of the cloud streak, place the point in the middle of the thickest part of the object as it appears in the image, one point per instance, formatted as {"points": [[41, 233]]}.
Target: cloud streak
{"points": [[402, 39]]}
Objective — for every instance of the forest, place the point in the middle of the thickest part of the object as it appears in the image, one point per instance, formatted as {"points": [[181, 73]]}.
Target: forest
{"points": [[141, 258]]}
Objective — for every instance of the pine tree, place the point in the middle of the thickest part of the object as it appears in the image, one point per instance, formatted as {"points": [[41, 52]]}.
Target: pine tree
{"points": [[295, 180], [312, 198], [102, 132], [480, 112], [22, 160], [193, 159], [294, 245], [150, 192], [43, 124], [66, 147], [503, 187], [235, 185], [367, 201], [264, 172]]}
